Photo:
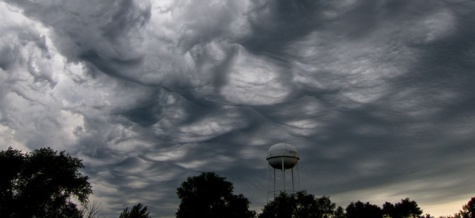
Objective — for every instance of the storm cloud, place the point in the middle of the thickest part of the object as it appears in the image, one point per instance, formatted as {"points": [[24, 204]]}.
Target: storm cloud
{"points": [[377, 96]]}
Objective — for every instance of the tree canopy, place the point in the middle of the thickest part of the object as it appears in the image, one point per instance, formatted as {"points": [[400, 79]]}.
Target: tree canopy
{"points": [[209, 195], [136, 212], [468, 210], [363, 210], [404, 209], [42, 183], [299, 204]]}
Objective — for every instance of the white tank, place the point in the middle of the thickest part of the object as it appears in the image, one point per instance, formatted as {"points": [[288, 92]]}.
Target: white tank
{"points": [[282, 152]]}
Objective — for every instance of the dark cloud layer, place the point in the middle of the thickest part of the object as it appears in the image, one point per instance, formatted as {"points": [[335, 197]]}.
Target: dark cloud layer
{"points": [[377, 96]]}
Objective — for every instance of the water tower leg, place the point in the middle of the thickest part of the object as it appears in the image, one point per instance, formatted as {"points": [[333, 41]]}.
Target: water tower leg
{"points": [[283, 172], [298, 175], [293, 186], [274, 182], [267, 183]]}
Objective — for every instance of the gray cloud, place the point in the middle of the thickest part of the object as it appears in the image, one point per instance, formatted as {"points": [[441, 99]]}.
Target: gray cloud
{"points": [[376, 96]]}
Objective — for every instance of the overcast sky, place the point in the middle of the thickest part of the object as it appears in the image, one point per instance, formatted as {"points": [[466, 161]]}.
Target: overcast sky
{"points": [[378, 96]]}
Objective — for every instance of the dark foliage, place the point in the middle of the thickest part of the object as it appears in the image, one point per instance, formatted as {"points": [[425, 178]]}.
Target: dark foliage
{"points": [[300, 204], [136, 212], [363, 210], [340, 213], [403, 209], [209, 195], [468, 210], [41, 184]]}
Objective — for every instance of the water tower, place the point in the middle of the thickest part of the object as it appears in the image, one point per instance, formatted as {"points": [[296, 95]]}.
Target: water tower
{"points": [[282, 156]]}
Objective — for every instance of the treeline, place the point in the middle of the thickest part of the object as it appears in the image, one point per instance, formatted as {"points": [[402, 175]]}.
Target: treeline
{"points": [[44, 183]]}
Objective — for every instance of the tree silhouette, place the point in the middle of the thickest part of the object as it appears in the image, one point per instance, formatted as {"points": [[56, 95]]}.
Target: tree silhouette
{"points": [[91, 210], [404, 209], [340, 213], [301, 205], [468, 210], [283, 206], [209, 195], [136, 212], [389, 209], [363, 210], [41, 184]]}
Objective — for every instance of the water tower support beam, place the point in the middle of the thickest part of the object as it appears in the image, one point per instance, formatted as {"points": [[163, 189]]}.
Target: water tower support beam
{"points": [[298, 174], [274, 182], [293, 186], [283, 172], [267, 183]]}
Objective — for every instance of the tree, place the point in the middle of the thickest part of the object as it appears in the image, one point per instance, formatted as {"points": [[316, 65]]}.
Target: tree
{"points": [[363, 210], [91, 210], [209, 195], [408, 208], [340, 213], [404, 209], [41, 184], [136, 212], [389, 210], [299, 204], [468, 210], [283, 206]]}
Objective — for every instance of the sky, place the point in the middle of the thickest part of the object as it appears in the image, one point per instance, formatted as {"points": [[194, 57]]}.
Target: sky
{"points": [[377, 96]]}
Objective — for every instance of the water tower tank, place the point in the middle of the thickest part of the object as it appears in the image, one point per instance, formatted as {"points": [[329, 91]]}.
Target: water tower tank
{"points": [[282, 154]]}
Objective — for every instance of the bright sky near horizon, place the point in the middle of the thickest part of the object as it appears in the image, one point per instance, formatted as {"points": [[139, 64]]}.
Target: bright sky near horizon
{"points": [[378, 97]]}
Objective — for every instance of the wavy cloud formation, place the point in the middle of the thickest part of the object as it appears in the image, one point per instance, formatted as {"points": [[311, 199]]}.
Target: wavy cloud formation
{"points": [[376, 96]]}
